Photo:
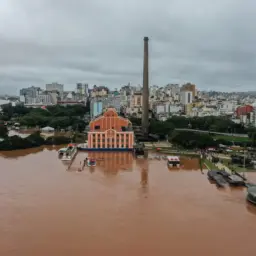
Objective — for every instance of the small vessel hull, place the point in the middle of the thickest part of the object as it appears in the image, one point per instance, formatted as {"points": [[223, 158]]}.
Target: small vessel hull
{"points": [[90, 163], [173, 165], [70, 156], [251, 199]]}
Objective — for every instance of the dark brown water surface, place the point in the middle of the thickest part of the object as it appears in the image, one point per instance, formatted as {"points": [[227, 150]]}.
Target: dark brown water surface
{"points": [[121, 207]]}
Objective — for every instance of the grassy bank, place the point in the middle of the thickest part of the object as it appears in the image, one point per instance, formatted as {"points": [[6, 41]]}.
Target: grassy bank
{"points": [[177, 152], [232, 138], [209, 165]]}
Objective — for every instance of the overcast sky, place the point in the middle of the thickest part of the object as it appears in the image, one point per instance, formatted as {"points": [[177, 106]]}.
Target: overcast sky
{"points": [[211, 43]]}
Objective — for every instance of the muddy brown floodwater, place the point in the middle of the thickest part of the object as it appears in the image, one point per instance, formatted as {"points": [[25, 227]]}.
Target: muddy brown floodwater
{"points": [[121, 207]]}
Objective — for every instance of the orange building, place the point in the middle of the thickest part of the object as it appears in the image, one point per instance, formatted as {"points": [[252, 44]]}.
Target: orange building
{"points": [[189, 87], [110, 132]]}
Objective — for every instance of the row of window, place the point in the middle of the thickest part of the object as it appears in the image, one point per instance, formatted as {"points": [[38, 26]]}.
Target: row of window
{"points": [[103, 135], [110, 139], [97, 145]]}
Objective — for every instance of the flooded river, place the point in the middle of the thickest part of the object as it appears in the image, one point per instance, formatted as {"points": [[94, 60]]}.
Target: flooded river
{"points": [[120, 207]]}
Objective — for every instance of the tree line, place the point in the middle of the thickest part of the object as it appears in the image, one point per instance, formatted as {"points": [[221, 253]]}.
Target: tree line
{"points": [[209, 123], [58, 117], [189, 139], [33, 140]]}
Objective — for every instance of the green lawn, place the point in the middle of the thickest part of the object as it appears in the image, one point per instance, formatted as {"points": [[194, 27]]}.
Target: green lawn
{"points": [[210, 165], [232, 138]]}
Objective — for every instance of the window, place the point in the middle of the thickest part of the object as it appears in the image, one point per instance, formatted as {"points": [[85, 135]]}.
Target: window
{"points": [[97, 127], [189, 98]]}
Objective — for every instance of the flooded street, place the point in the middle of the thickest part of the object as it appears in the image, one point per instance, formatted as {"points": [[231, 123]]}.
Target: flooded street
{"points": [[122, 207]]}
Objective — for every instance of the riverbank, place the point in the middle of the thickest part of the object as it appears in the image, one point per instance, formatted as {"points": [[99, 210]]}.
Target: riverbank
{"points": [[32, 141]]}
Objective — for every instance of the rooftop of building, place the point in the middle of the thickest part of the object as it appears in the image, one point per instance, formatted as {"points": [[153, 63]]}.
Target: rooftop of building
{"points": [[111, 112]]}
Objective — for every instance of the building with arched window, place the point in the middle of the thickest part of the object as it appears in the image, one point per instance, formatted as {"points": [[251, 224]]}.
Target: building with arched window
{"points": [[110, 132]]}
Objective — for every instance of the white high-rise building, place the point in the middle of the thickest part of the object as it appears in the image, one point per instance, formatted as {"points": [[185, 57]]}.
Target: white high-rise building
{"points": [[186, 97], [82, 89], [55, 87]]}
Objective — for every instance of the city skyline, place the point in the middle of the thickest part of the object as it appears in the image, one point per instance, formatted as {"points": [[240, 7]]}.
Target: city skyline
{"points": [[46, 41]]}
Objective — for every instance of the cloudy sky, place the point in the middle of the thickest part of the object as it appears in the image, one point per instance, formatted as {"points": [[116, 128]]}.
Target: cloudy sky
{"points": [[210, 43]]}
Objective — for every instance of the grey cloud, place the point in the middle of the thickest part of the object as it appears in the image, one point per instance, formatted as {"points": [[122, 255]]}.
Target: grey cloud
{"points": [[210, 43]]}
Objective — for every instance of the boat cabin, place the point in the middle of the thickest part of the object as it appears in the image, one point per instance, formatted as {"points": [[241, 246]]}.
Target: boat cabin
{"points": [[62, 151], [173, 161], [91, 162]]}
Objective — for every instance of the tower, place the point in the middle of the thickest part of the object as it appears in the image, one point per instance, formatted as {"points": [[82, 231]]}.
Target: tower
{"points": [[145, 108]]}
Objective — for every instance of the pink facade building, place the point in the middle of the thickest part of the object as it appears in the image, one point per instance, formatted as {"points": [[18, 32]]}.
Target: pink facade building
{"points": [[110, 132]]}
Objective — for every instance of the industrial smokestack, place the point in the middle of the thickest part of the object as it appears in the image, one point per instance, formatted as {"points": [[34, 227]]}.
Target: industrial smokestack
{"points": [[145, 122]]}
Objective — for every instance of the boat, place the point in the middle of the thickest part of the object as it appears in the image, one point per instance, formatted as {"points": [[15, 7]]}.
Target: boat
{"points": [[90, 162], [62, 151], [173, 161], [224, 174], [211, 174], [83, 146], [232, 179], [251, 195], [139, 151], [219, 180], [68, 153], [235, 180]]}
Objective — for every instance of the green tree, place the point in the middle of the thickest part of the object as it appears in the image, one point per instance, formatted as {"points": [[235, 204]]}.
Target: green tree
{"points": [[60, 122], [3, 131], [191, 140], [162, 129], [252, 135]]}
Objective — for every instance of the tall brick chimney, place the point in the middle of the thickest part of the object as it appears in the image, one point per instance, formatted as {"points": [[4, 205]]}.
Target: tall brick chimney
{"points": [[145, 108]]}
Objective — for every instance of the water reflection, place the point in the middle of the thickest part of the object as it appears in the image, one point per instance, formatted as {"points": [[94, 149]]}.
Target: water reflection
{"points": [[15, 154], [144, 177], [187, 164], [110, 163]]}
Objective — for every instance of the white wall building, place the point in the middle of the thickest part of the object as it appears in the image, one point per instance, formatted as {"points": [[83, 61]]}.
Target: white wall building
{"points": [[82, 89], [186, 97], [55, 87], [174, 109], [226, 107]]}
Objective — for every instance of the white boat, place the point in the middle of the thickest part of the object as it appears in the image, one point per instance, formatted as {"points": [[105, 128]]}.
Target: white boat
{"points": [[62, 151], [173, 161], [83, 146], [90, 162], [67, 154]]}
